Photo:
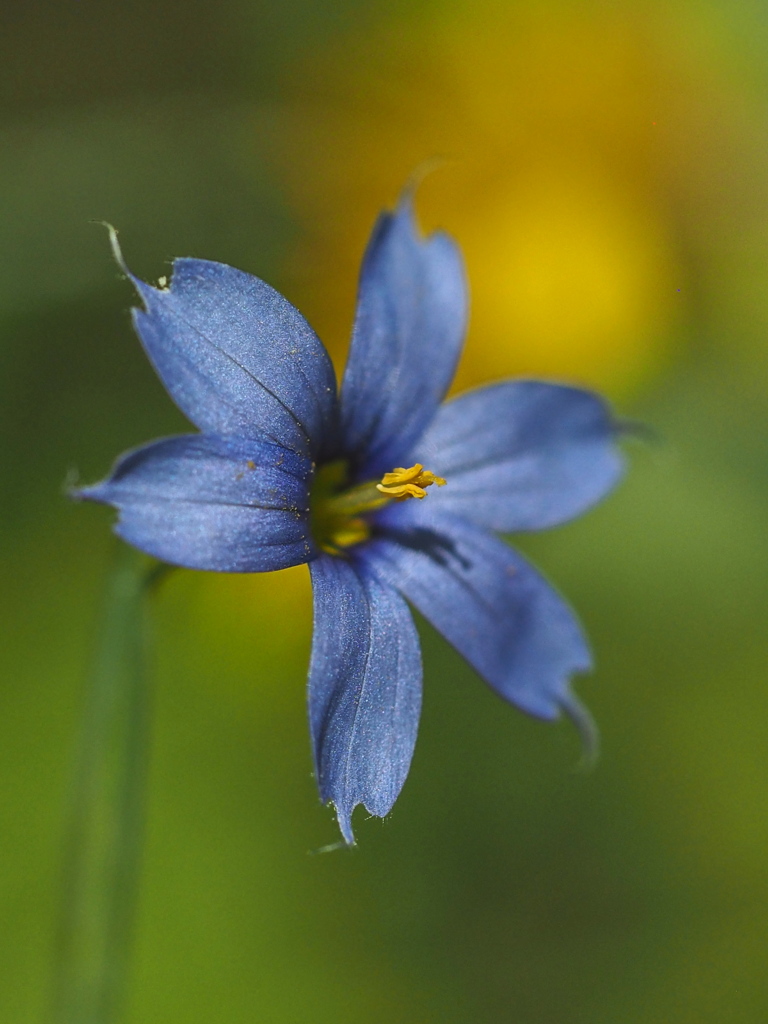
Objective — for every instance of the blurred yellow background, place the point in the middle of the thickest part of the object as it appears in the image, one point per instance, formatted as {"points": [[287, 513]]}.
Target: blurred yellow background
{"points": [[605, 169]]}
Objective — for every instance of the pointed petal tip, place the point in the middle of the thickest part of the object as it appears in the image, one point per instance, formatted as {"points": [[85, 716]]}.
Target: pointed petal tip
{"points": [[117, 252], [145, 290], [637, 431], [330, 848], [89, 492], [344, 819], [589, 734], [417, 176]]}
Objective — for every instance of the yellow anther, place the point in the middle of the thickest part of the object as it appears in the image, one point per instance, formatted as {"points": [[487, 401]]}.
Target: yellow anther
{"points": [[402, 484]]}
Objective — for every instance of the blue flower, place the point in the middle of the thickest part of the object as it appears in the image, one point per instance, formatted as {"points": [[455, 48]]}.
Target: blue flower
{"points": [[285, 470]]}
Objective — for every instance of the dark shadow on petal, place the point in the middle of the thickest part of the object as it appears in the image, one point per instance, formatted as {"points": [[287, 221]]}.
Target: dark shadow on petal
{"points": [[437, 546]]}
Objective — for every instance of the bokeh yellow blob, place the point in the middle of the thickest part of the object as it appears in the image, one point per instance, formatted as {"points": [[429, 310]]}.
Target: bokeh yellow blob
{"points": [[569, 279], [551, 184]]}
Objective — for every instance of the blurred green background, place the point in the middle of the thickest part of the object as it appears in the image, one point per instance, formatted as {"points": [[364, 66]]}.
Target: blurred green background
{"points": [[605, 168]]}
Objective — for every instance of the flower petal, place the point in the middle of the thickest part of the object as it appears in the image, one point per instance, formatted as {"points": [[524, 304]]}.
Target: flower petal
{"points": [[522, 455], [226, 504], [409, 328], [364, 689], [238, 358], [487, 601]]}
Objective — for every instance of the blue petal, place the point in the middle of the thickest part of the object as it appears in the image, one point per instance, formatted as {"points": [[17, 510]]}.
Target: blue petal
{"points": [[364, 689], [238, 358], [409, 329], [226, 504], [522, 455], [487, 601]]}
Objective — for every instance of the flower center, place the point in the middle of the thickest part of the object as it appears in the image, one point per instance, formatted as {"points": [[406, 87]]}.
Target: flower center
{"points": [[339, 513]]}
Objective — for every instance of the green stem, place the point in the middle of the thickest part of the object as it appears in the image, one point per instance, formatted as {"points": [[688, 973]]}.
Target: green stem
{"points": [[105, 830], [356, 501]]}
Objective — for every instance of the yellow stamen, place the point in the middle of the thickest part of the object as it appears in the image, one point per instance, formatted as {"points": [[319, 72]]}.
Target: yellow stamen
{"points": [[402, 484], [339, 515]]}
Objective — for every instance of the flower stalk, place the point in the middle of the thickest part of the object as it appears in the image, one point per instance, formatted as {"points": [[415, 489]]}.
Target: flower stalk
{"points": [[104, 836]]}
